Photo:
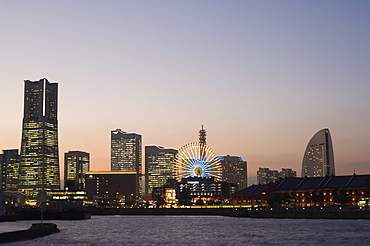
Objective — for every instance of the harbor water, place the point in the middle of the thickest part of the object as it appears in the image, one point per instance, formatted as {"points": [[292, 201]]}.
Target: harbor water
{"points": [[199, 230]]}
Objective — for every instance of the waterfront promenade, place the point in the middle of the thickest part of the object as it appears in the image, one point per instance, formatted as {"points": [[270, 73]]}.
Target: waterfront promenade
{"points": [[299, 213], [317, 213], [255, 212]]}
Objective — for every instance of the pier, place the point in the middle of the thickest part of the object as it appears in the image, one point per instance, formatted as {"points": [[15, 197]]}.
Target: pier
{"points": [[35, 231]]}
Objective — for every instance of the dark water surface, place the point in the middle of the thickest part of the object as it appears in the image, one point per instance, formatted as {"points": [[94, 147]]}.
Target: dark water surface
{"points": [[199, 230]]}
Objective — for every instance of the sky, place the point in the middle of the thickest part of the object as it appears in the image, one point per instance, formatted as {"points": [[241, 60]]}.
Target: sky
{"points": [[261, 76]]}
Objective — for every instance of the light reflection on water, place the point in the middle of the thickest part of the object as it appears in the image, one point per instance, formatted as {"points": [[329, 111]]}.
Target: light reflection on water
{"points": [[199, 230]]}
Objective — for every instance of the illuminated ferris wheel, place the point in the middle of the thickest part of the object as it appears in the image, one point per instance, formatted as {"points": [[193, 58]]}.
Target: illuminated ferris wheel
{"points": [[197, 160]]}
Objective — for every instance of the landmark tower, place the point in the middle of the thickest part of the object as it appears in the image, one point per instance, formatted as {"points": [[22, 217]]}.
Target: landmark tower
{"points": [[39, 165], [202, 136]]}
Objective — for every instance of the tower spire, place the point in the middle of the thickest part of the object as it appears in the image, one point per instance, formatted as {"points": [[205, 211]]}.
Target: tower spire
{"points": [[202, 136]]}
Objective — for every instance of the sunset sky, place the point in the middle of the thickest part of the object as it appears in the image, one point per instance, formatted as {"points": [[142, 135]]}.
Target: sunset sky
{"points": [[261, 76]]}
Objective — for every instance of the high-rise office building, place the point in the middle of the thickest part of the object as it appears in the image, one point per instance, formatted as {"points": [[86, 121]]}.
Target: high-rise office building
{"points": [[265, 175], [39, 166], [9, 164], [234, 170], [318, 159], [287, 173], [126, 153], [76, 164], [159, 163]]}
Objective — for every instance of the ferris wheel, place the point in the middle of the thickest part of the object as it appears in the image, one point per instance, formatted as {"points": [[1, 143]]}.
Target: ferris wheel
{"points": [[197, 160]]}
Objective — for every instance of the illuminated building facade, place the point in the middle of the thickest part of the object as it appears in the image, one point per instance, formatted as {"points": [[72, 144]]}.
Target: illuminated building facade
{"points": [[199, 191], [254, 195], [265, 175], [118, 185], [169, 196], [66, 195], [67, 198], [307, 191], [159, 164], [126, 153], [287, 173], [234, 170], [76, 164], [9, 161], [39, 165], [318, 159]]}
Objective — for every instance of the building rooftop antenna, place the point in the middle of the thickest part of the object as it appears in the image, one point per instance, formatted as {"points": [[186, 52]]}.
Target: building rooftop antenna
{"points": [[202, 136]]}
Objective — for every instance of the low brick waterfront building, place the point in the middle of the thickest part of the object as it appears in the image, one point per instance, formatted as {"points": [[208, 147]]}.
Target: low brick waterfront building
{"points": [[316, 191]]}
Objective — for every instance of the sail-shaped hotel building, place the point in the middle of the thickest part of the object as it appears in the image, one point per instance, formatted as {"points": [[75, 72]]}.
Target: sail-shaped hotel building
{"points": [[318, 159]]}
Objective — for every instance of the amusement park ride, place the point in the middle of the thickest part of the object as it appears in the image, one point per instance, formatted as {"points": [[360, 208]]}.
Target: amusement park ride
{"points": [[197, 159]]}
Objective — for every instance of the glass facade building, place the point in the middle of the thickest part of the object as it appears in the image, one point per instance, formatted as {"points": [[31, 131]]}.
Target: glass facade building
{"points": [[39, 165], [159, 163], [76, 164], [126, 153], [9, 162], [287, 173], [265, 175], [234, 170], [318, 159]]}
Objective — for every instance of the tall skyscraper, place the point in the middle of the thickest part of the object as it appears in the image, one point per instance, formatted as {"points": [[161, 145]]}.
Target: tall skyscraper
{"points": [[159, 163], [39, 166], [76, 164], [318, 159], [234, 170], [126, 153], [9, 164]]}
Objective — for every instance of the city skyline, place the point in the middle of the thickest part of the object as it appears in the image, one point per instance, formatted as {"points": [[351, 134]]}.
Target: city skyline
{"points": [[261, 77]]}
